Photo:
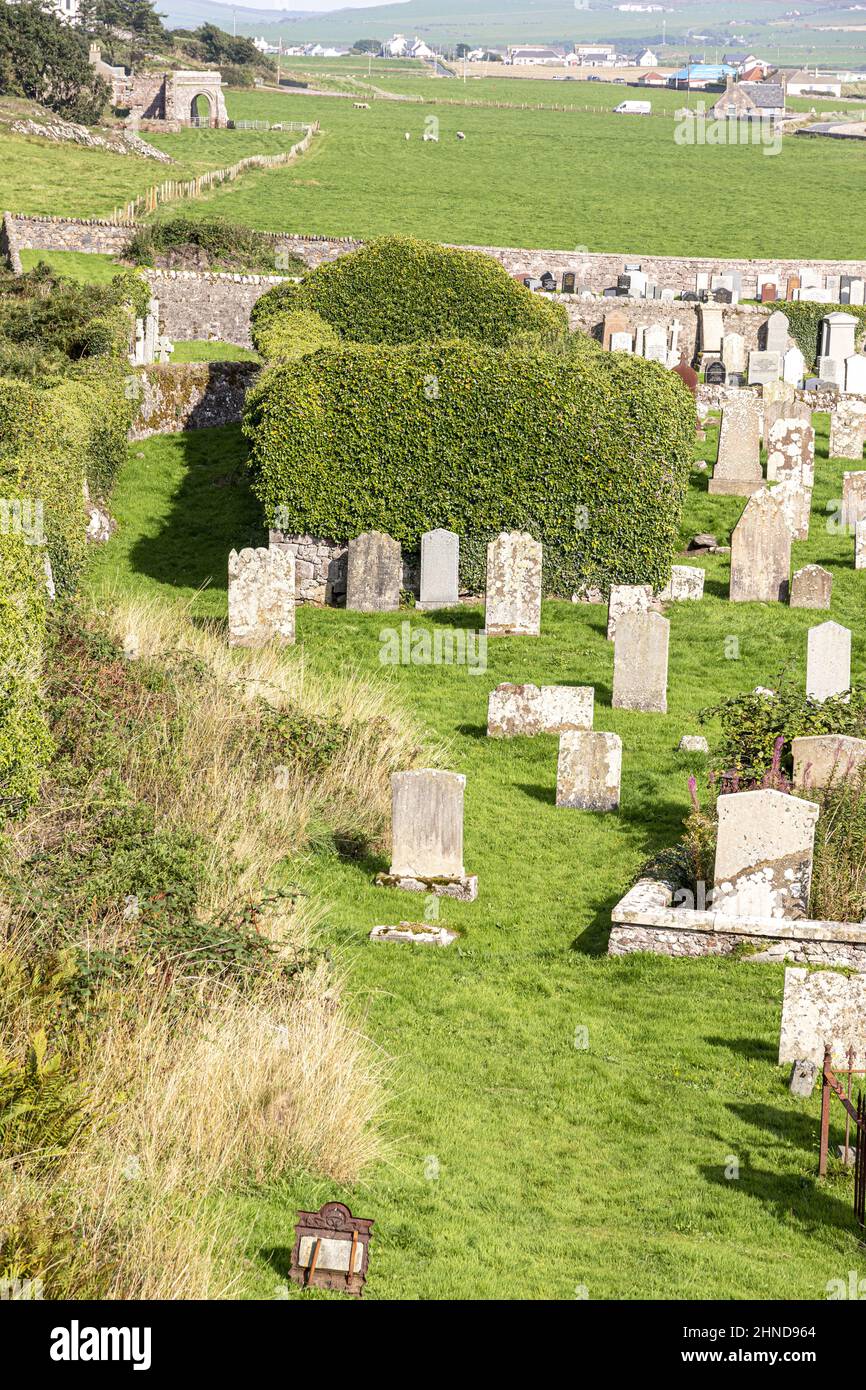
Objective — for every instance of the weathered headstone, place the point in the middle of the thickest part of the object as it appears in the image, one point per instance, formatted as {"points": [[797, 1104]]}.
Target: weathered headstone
{"points": [[374, 574], [796, 503], [791, 451], [440, 559], [715, 374], [855, 374], [640, 663], [764, 854], [621, 342], [734, 352], [853, 499], [761, 552], [261, 597], [427, 835], [589, 771], [614, 322], [860, 544], [764, 367], [686, 582], [530, 709], [848, 430], [738, 467], [793, 367], [821, 1009], [711, 328], [811, 587], [837, 336], [693, 743], [828, 661], [626, 598], [513, 585], [822, 758], [775, 336], [655, 343]]}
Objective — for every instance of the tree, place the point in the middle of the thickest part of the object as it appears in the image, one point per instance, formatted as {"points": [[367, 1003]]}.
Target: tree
{"points": [[368, 46], [47, 61], [462, 49]]}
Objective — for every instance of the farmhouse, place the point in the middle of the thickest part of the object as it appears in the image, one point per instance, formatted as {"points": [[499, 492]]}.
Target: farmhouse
{"points": [[807, 84], [596, 55], [534, 57], [751, 100]]}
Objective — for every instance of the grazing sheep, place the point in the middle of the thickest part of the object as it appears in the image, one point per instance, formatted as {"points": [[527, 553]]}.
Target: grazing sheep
{"points": [[460, 135], [407, 136]]}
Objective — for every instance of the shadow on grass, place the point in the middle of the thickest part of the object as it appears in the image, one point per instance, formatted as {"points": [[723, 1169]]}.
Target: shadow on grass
{"points": [[793, 1126], [472, 730], [786, 1195], [212, 512], [754, 1049], [471, 618]]}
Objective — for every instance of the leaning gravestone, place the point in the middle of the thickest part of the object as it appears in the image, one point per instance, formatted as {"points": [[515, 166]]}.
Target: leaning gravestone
{"points": [[589, 771], [811, 587], [761, 552], [640, 663], [626, 598], [822, 1009], [528, 709], [427, 835], [828, 661], [823, 758], [738, 467], [513, 601], [440, 562], [764, 854], [375, 574], [261, 597]]}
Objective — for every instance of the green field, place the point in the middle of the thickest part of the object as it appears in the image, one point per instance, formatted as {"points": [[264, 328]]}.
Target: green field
{"points": [[522, 1166], [549, 179]]}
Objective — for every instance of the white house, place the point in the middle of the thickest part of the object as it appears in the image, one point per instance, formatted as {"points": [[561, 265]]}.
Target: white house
{"points": [[647, 59], [534, 56], [395, 47], [596, 55], [67, 11], [807, 84]]}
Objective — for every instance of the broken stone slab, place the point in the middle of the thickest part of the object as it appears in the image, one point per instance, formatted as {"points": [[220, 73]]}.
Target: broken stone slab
{"points": [[686, 582], [823, 1009], [811, 587], [764, 854], [627, 598], [415, 934], [804, 1074], [693, 743], [589, 771], [703, 541], [529, 709], [822, 758], [464, 889]]}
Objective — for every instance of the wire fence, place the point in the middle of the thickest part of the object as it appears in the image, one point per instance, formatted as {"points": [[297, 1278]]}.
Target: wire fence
{"points": [[171, 190]]}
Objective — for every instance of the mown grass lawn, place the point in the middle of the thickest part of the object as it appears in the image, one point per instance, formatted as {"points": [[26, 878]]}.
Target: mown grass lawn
{"points": [[521, 1165]]}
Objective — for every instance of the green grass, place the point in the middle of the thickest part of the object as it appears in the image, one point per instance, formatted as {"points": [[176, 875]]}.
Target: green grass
{"points": [[548, 179], [557, 1167], [88, 268], [198, 351]]}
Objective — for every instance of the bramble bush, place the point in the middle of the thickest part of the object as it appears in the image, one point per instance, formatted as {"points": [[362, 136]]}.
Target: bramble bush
{"points": [[753, 724]]}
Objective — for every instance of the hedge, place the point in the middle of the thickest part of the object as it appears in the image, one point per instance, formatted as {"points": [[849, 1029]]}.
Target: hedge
{"points": [[284, 337], [25, 743], [590, 452], [400, 290], [804, 323]]}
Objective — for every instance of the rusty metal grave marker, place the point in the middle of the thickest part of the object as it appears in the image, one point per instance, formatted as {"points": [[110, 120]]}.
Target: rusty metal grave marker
{"points": [[332, 1250]]}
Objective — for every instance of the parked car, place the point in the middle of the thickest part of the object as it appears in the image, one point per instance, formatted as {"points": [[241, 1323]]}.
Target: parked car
{"points": [[633, 108]]}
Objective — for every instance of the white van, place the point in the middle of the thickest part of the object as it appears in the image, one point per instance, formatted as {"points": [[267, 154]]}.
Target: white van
{"points": [[633, 108]]}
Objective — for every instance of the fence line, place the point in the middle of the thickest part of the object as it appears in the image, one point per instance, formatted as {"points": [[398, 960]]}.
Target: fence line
{"points": [[170, 190]]}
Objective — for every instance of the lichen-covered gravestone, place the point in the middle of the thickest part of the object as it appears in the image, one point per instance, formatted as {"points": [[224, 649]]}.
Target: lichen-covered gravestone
{"points": [[823, 1009], [261, 597], [440, 562], [530, 709], [375, 573], [626, 598], [823, 758], [848, 430], [738, 467], [764, 854], [686, 582], [828, 661], [589, 771], [811, 587], [860, 545], [640, 663], [427, 835], [513, 601], [853, 499], [761, 552]]}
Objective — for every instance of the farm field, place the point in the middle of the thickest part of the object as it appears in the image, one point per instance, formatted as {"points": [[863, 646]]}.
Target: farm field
{"points": [[548, 179], [499, 1126]]}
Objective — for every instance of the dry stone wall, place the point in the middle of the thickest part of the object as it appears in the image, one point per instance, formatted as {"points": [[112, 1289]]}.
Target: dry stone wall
{"points": [[190, 396]]}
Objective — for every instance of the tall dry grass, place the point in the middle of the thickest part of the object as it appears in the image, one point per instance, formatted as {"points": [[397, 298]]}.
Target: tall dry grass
{"points": [[193, 1099]]}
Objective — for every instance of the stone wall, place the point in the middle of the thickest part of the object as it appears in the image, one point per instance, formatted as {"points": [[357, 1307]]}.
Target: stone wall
{"points": [[191, 395], [207, 304], [588, 316], [69, 234], [321, 567]]}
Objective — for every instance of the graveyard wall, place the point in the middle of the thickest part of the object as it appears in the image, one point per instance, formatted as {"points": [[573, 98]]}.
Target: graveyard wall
{"points": [[207, 304], [69, 234], [678, 941], [321, 568], [190, 396]]}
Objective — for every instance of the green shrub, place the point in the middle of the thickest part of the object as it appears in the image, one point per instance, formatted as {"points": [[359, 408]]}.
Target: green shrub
{"points": [[839, 874], [286, 337], [752, 724], [42, 1106], [25, 743], [221, 242], [401, 290], [588, 451], [804, 320]]}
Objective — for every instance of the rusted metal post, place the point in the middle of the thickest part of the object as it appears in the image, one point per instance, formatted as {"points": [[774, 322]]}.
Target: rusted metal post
{"points": [[825, 1115]]}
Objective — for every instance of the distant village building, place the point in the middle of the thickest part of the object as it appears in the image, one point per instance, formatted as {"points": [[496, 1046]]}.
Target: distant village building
{"points": [[807, 84], [534, 56], [751, 101], [595, 55], [697, 77], [651, 79], [647, 59], [401, 47], [163, 96]]}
